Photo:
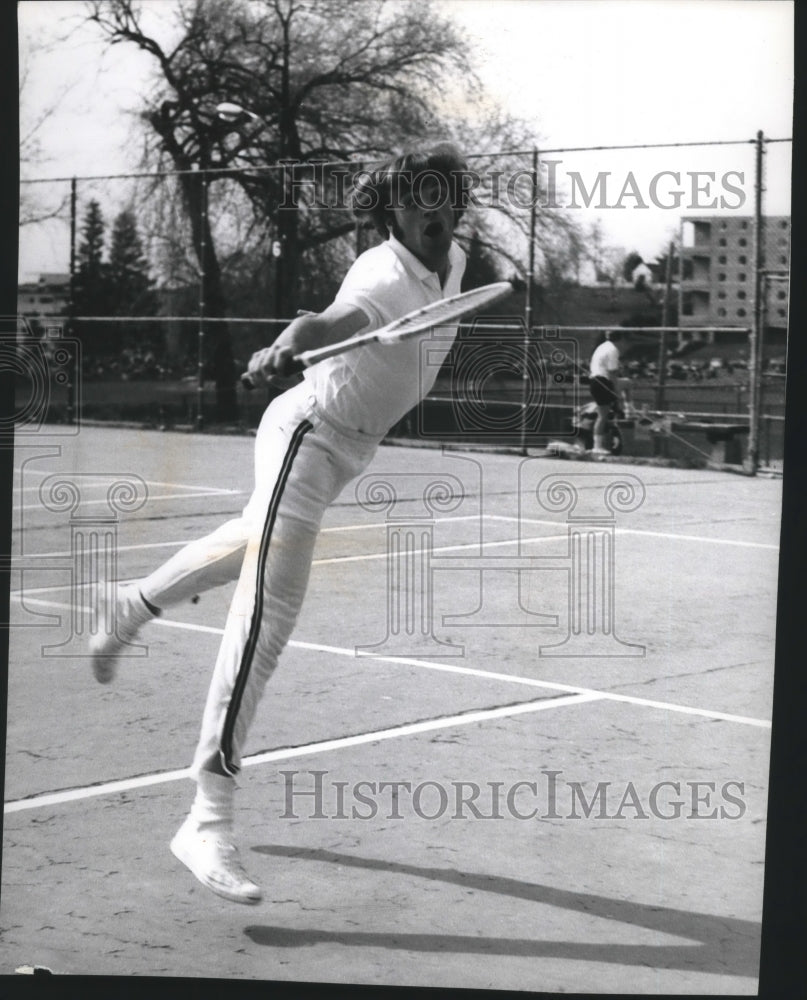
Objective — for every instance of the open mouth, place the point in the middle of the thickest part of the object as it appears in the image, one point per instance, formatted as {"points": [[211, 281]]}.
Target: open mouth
{"points": [[433, 229]]}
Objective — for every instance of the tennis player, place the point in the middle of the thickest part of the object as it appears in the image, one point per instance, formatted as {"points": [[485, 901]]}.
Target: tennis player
{"points": [[604, 368], [312, 440]]}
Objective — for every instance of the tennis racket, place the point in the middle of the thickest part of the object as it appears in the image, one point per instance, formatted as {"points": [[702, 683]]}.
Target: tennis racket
{"points": [[434, 314]]}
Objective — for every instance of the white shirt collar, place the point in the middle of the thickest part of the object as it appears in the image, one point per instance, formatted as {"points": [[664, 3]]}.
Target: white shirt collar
{"points": [[417, 267]]}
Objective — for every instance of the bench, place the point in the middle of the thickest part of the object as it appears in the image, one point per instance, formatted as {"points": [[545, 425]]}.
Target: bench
{"points": [[723, 438]]}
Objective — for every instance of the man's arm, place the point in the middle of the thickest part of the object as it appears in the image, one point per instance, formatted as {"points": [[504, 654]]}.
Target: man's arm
{"points": [[338, 322]]}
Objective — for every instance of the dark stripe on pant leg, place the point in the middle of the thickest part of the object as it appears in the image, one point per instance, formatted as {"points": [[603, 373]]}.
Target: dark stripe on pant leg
{"points": [[226, 749]]}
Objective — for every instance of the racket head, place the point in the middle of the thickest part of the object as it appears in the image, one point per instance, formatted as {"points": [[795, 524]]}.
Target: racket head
{"points": [[442, 313]]}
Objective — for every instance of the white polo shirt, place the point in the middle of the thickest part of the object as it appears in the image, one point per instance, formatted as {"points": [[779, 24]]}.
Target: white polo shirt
{"points": [[605, 360], [372, 387]]}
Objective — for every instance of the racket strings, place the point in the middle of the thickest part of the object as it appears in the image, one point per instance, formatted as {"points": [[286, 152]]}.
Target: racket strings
{"points": [[445, 311]]}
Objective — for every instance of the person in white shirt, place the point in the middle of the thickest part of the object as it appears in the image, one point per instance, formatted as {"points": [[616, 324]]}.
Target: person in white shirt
{"points": [[312, 440], [604, 367]]}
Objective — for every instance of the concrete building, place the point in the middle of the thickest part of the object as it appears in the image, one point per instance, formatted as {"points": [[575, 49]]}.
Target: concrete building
{"points": [[716, 286], [47, 297]]}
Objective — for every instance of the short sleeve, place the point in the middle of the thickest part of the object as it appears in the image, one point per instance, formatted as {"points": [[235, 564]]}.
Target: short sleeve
{"points": [[371, 285]]}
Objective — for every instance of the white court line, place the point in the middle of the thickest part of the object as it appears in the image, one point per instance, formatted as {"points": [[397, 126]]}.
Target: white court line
{"points": [[118, 548], [383, 524], [102, 479], [104, 485], [451, 668], [167, 545], [643, 532], [286, 753], [158, 496], [447, 548], [469, 517], [327, 562]]}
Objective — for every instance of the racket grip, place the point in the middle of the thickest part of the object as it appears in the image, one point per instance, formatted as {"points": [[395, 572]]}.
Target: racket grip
{"points": [[247, 380], [296, 367]]}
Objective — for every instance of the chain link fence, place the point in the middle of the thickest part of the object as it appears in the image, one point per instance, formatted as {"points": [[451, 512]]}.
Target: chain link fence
{"points": [[231, 255]]}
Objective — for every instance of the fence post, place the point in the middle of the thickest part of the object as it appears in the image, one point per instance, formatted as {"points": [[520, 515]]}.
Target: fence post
{"points": [[200, 388], [755, 360], [71, 308], [665, 317], [528, 302]]}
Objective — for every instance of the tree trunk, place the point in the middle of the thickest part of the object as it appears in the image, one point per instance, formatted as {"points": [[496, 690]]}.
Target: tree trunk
{"points": [[289, 264], [219, 355]]}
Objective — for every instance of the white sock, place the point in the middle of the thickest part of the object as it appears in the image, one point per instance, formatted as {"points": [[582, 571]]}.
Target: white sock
{"points": [[212, 809]]}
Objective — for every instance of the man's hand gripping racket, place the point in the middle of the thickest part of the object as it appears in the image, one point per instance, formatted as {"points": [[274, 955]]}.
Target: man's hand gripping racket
{"points": [[438, 313]]}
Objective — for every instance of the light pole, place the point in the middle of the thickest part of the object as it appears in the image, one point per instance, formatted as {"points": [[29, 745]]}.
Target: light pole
{"points": [[231, 113], [236, 114]]}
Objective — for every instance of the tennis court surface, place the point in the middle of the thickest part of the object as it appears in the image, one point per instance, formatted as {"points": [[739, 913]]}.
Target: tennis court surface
{"points": [[520, 739]]}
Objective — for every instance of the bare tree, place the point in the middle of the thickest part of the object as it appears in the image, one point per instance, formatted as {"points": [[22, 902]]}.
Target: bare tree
{"points": [[334, 81], [35, 205], [335, 85]]}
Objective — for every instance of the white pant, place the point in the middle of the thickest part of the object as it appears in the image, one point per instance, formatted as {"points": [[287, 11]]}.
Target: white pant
{"points": [[302, 463]]}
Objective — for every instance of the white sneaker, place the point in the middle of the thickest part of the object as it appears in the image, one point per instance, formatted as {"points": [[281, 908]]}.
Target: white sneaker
{"points": [[116, 630], [215, 863]]}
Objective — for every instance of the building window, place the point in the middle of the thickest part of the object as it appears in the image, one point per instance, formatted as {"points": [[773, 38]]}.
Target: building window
{"points": [[744, 224], [781, 312], [721, 311], [783, 241], [721, 295], [743, 241], [783, 224], [741, 276], [722, 225], [721, 259], [742, 259], [783, 259], [741, 294], [781, 295], [721, 276], [741, 312], [722, 241]]}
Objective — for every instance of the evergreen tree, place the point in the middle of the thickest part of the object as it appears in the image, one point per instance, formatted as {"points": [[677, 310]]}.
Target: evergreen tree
{"points": [[130, 286], [90, 289], [90, 295]]}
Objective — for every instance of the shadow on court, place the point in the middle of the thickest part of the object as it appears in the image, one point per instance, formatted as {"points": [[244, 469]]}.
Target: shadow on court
{"points": [[724, 945]]}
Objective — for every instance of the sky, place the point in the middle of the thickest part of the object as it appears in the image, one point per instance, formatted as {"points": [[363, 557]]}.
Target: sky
{"points": [[580, 72]]}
